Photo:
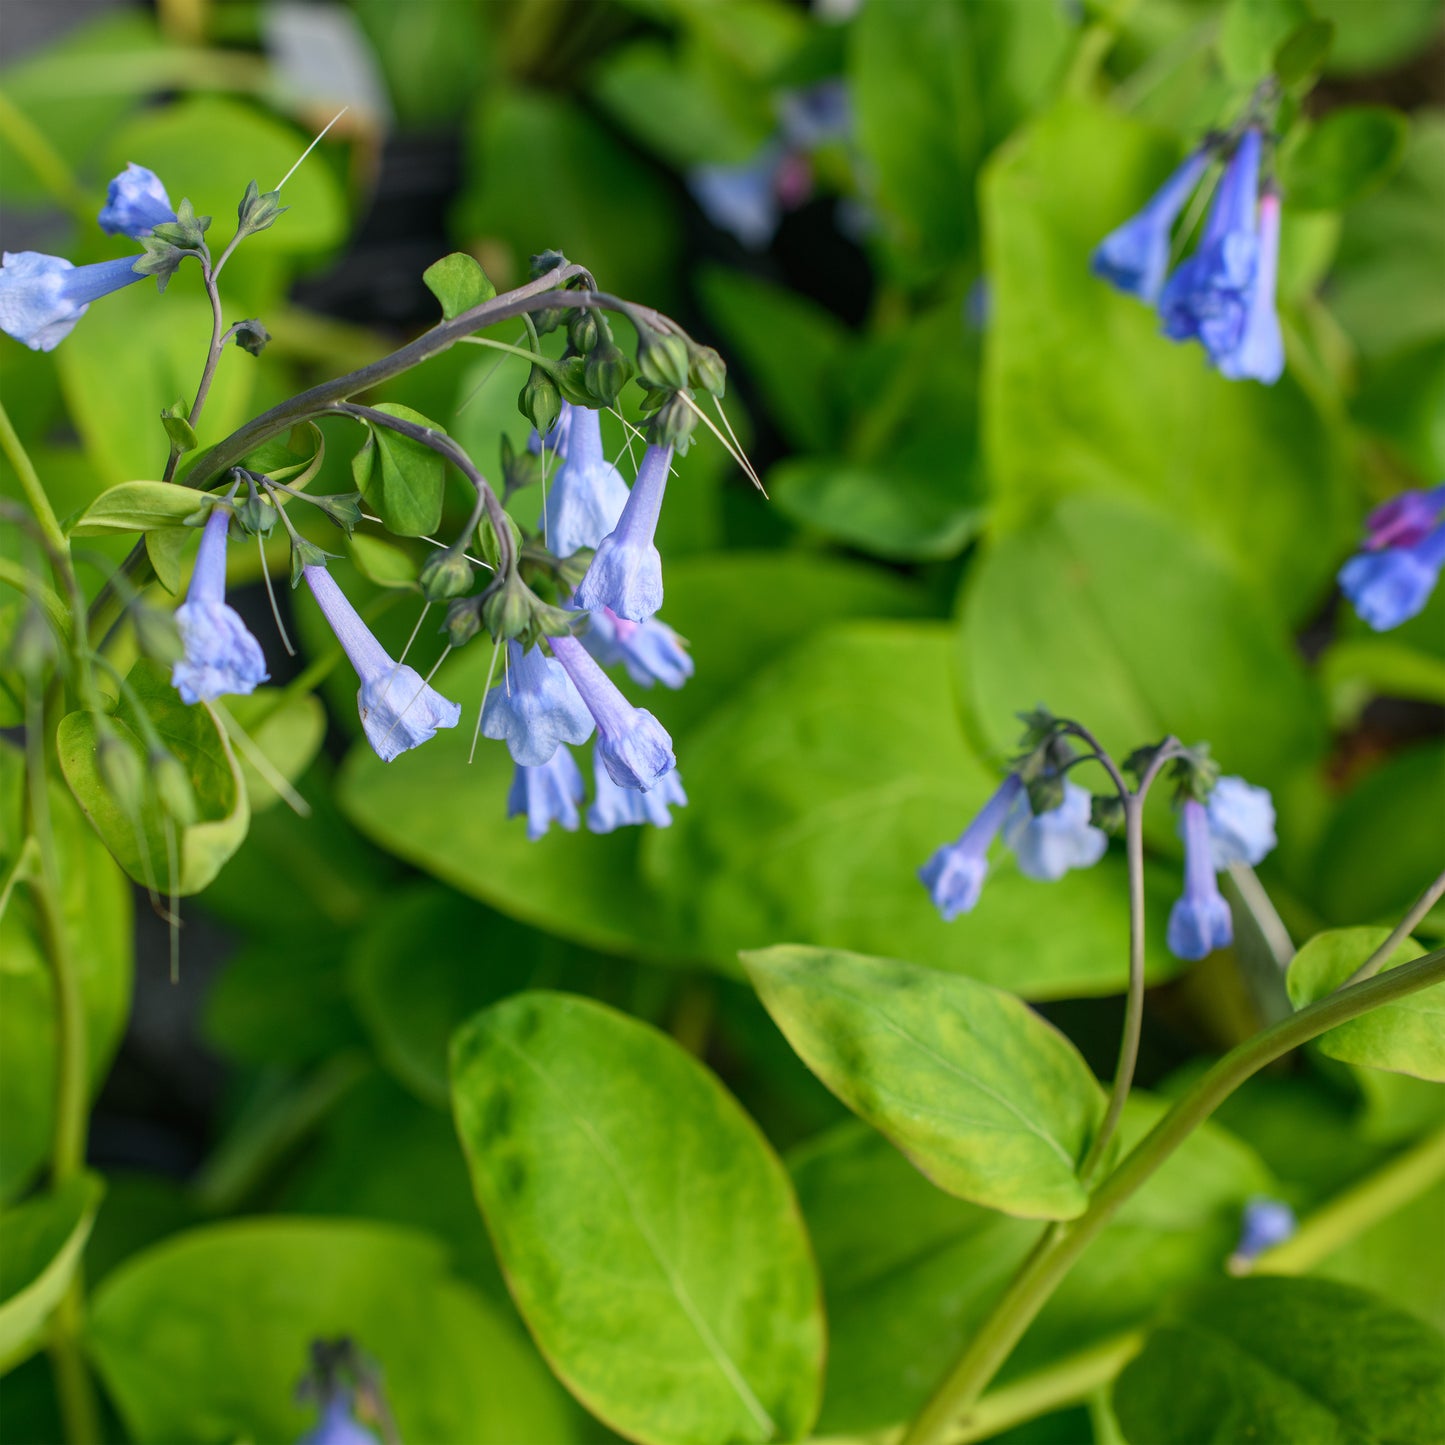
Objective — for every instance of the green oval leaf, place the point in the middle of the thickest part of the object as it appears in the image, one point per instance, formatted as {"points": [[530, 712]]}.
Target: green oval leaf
{"points": [[43, 1240], [383, 563], [1349, 153], [204, 1337], [401, 479], [989, 1100], [1405, 1037], [137, 507], [197, 740], [1284, 1359], [458, 282], [718, 1335]]}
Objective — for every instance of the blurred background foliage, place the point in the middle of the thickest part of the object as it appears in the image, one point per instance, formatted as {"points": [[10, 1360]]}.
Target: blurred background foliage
{"points": [[991, 483]]}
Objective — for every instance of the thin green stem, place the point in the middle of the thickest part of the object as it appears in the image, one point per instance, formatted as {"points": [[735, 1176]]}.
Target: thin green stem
{"points": [[1401, 931], [535, 357], [30, 484], [74, 1389], [1042, 1273], [213, 354]]}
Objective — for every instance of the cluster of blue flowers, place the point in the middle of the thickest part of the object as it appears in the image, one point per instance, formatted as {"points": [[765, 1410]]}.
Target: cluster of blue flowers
{"points": [[1235, 825], [547, 699], [42, 297], [1397, 569], [1222, 296], [544, 704]]}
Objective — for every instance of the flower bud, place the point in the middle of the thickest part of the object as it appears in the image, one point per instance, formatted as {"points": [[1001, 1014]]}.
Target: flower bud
{"points": [[258, 211], [540, 401], [570, 375], [251, 336], [709, 371], [507, 608], [256, 515], [444, 575], [582, 330], [1107, 813], [463, 621], [606, 372], [673, 425], [662, 360], [173, 787]]}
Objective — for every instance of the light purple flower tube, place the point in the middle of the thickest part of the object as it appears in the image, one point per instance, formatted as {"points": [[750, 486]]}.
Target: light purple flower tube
{"points": [[222, 657], [399, 710], [626, 572]]}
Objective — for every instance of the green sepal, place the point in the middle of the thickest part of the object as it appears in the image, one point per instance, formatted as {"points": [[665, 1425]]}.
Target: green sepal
{"points": [[187, 232], [445, 575], [674, 424], [305, 554], [606, 372], [343, 509], [662, 359], [571, 378], [540, 401], [463, 620], [708, 371]]}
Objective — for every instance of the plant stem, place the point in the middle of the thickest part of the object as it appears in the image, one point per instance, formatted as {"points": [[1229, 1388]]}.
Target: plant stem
{"points": [[1402, 930], [30, 484], [74, 1390], [1045, 1269]]}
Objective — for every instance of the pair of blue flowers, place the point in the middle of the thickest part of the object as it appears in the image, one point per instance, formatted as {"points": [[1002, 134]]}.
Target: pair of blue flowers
{"points": [[1223, 296], [42, 297], [1235, 825], [543, 702], [547, 703], [1393, 576]]}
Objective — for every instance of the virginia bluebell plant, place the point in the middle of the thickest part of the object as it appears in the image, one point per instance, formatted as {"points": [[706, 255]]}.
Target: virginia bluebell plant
{"points": [[1398, 567], [1223, 295], [1265, 1224]]}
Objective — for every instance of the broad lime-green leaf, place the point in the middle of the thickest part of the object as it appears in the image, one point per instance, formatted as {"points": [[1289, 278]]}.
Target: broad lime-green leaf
{"points": [[990, 1101], [1406, 1037], [1081, 392], [1251, 31], [253, 1295], [138, 507], [1284, 1359], [458, 282], [403, 479], [648, 1233], [1349, 153], [196, 739], [43, 1240], [95, 904], [383, 563], [1110, 614], [823, 785]]}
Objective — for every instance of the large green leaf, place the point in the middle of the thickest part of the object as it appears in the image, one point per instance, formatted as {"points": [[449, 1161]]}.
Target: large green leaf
{"points": [[132, 355], [1109, 614], [936, 83], [825, 784], [1284, 1359], [991, 1102], [138, 841], [601, 1152], [909, 1273], [1349, 153], [400, 477], [95, 906], [431, 808], [1406, 1037], [43, 1240], [136, 507], [1082, 393], [254, 1294]]}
